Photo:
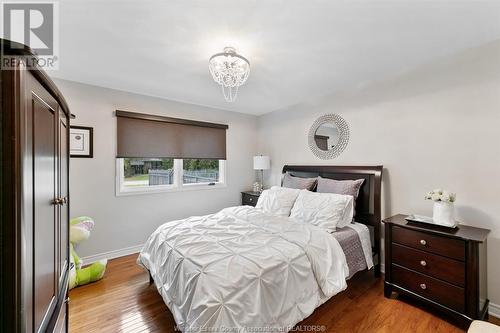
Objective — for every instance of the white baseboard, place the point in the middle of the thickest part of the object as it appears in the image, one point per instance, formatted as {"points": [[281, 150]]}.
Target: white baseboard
{"points": [[112, 254], [494, 310]]}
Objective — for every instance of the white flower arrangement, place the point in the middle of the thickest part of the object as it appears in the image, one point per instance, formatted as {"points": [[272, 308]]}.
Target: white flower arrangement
{"points": [[440, 195]]}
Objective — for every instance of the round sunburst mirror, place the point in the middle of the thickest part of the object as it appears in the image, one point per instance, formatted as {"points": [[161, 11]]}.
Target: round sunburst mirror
{"points": [[328, 136]]}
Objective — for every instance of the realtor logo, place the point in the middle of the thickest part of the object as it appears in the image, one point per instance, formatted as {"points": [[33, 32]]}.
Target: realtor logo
{"points": [[34, 24]]}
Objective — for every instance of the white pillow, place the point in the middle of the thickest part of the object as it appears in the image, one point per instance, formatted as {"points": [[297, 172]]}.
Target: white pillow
{"points": [[326, 210], [277, 200]]}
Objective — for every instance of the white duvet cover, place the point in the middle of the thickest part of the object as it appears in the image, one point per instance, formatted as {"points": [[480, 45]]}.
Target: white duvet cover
{"points": [[243, 270]]}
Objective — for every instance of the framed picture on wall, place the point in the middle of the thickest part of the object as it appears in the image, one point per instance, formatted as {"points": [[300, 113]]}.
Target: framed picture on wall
{"points": [[81, 141]]}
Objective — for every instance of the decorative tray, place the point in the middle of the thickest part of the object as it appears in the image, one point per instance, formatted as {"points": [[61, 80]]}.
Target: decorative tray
{"points": [[428, 220]]}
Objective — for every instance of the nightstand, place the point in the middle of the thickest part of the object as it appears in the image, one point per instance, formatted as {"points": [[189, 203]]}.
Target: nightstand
{"points": [[249, 198], [444, 268]]}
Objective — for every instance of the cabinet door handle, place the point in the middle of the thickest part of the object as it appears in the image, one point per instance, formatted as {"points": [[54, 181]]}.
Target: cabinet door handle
{"points": [[423, 263], [60, 201], [423, 242], [423, 286], [67, 300]]}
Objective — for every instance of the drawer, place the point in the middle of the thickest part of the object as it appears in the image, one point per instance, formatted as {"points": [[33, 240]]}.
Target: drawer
{"points": [[452, 248], [450, 270], [249, 200], [441, 292]]}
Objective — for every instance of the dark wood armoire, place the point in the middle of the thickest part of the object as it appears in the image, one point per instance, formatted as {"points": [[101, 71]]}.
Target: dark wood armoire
{"points": [[34, 233]]}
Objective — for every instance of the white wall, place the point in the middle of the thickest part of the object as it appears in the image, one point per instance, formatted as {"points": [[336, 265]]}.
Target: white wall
{"points": [[126, 221], [438, 126]]}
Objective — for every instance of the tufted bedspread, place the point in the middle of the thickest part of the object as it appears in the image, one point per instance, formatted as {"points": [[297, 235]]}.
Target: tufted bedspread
{"points": [[243, 270]]}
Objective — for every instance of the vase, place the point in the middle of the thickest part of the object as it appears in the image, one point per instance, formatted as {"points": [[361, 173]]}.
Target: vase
{"points": [[443, 213]]}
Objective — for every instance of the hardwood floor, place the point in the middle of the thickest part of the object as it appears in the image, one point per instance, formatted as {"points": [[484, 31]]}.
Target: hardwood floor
{"points": [[124, 301]]}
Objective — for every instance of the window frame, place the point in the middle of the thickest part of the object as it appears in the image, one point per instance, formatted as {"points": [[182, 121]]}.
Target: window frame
{"points": [[177, 186]]}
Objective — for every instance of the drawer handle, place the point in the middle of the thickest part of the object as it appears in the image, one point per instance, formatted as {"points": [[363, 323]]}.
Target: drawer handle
{"points": [[423, 263], [423, 286], [423, 242], [250, 199]]}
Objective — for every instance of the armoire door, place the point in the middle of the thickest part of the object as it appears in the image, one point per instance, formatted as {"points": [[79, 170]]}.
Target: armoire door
{"points": [[42, 118], [63, 166]]}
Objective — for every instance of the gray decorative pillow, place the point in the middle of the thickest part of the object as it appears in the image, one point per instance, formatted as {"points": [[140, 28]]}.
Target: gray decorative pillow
{"points": [[346, 187], [298, 182]]}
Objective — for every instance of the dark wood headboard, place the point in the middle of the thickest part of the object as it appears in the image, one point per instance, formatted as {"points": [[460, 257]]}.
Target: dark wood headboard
{"points": [[368, 204]]}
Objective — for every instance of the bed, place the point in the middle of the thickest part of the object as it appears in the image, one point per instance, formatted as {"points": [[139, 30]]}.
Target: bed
{"points": [[243, 269], [368, 204]]}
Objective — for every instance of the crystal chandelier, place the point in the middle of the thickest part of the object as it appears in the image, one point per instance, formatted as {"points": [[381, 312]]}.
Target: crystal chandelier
{"points": [[230, 70]]}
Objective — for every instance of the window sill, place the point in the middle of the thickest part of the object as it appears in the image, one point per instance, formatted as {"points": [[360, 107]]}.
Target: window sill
{"points": [[168, 189]]}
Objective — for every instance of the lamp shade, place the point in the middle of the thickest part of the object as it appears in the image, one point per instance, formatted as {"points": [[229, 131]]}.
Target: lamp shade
{"points": [[261, 162]]}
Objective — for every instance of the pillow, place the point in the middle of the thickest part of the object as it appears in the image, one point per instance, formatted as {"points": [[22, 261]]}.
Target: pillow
{"points": [[277, 200], [326, 210], [346, 187], [298, 182]]}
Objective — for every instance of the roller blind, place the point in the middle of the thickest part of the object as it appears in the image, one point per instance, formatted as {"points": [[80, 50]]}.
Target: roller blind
{"points": [[143, 135]]}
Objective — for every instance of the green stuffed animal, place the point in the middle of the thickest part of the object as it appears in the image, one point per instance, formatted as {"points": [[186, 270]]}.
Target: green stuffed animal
{"points": [[80, 228]]}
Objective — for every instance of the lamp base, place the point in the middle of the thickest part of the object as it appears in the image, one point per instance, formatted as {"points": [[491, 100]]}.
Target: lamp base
{"points": [[261, 180], [257, 187]]}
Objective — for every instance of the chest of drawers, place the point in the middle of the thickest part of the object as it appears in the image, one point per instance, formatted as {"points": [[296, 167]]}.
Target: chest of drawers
{"points": [[446, 269]]}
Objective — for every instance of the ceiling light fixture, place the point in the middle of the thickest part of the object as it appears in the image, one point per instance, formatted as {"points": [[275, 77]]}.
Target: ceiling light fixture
{"points": [[230, 70]]}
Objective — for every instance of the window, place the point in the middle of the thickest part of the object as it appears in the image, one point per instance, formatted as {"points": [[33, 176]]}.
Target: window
{"points": [[200, 171], [198, 151], [146, 175], [140, 172]]}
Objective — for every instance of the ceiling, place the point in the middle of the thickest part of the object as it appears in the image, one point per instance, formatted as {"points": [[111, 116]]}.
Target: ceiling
{"points": [[298, 49]]}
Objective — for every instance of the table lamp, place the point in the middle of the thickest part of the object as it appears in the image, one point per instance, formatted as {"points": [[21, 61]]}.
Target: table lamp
{"points": [[261, 163]]}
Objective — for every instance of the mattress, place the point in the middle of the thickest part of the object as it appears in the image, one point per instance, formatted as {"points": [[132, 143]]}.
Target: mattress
{"points": [[242, 269]]}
